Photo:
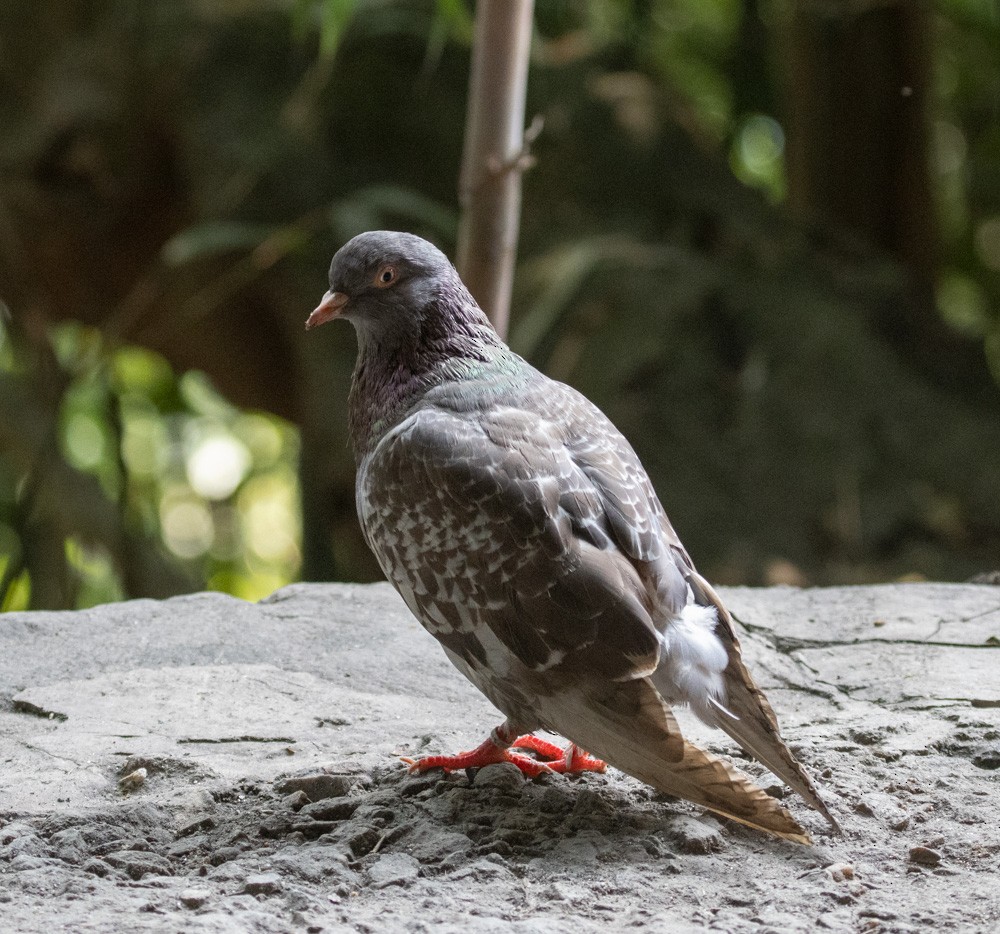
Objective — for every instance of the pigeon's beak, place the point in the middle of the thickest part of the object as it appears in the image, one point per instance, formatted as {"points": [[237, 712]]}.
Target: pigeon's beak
{"points": [[327, 310]]}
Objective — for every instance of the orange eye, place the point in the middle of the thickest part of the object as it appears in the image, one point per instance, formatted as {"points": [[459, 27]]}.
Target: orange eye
{"points": [[386, 276]]}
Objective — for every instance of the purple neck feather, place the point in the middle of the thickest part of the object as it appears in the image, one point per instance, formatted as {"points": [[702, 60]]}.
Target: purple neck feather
{"points": [[454, 337]]}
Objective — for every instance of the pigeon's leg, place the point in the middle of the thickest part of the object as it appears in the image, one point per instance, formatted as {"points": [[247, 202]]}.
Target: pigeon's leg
{"points": [[570, 759], [495, 749], [543, 747]]}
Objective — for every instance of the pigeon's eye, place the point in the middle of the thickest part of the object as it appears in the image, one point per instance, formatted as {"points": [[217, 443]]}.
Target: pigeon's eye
{"points": [[386, 276]]}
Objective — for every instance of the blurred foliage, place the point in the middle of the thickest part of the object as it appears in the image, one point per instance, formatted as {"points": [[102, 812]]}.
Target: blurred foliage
{"points": [[177, 174], [209, 486]]}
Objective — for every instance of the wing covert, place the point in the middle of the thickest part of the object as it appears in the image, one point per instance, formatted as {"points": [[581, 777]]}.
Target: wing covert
{"points": [[491, 523]]}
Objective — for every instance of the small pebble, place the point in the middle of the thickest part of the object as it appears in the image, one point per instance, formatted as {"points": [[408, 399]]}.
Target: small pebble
{"points": [[317, 787], [265, 883], [223, 854], [501, 775], [314, 828], [132, 781], [194, 898], [185, 845], [296, 800], [331, 809], [277, 825], [201, 822], [419, 783], [840, 872], [924, 856], [96, 867], [695, 836], [361, 844], [139, 863]]}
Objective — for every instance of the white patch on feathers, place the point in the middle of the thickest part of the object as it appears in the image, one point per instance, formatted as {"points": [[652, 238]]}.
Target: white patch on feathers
{"points": [[693, 661]]}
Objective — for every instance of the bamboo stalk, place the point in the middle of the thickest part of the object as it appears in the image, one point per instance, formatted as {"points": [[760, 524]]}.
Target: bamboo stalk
{"points": [[494, 155]]}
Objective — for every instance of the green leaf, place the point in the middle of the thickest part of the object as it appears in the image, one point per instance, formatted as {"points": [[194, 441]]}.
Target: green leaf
{"points": [[212, 239], [457, 19], [334, 17]]}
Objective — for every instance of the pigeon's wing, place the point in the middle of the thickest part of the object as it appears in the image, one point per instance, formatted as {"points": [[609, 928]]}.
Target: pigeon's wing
{"points": [[501, 539], [499, 543], [627, 725], [632, 508]]}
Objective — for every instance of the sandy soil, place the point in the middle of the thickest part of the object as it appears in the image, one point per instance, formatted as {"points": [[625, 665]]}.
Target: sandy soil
{"points": [[262, 787]]}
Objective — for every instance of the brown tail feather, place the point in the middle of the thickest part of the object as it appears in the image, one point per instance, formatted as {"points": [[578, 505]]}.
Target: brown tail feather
{"points": [[756, 728], [633, 730]]}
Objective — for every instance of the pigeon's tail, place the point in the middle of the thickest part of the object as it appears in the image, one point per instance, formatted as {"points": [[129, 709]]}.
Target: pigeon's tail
{"points": [[747, 716], [632, 729], [693, 662]]}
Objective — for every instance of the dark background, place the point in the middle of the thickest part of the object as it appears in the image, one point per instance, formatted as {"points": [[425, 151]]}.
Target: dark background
{"points": [[764, 237]]}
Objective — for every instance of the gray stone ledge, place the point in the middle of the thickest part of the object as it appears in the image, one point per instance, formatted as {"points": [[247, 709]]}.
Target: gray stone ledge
{"points": [[890, 694]]}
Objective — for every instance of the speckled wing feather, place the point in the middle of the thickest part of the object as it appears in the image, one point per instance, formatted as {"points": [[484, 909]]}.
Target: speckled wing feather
{"points": [[501, 544], [526, 537]]}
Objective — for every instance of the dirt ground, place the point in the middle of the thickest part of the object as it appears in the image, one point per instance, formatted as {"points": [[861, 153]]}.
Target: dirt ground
{"points": [[208, 765]]}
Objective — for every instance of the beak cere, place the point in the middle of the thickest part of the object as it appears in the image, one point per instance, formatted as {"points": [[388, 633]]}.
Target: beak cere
{"points": [[328, 309]]}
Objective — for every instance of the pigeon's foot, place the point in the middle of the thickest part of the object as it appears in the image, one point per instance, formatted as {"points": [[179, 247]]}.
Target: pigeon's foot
{"points": [[498, 749], [486, 754], [570, 759]]}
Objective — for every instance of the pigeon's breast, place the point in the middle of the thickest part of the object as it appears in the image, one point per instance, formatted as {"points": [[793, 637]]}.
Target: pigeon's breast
{"points": [[443, 552], [501, 543]]}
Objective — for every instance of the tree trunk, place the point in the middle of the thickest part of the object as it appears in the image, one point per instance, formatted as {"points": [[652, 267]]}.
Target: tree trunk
{"points": [[858, 80], [858, 142], [493, 157]]}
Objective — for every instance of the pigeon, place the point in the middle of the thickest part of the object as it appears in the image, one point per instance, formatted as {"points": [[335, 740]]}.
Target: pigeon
{"points": [[521, 530]]}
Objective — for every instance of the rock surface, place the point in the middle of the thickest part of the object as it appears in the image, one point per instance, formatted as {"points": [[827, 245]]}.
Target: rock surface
{"points": [[264, 792]]}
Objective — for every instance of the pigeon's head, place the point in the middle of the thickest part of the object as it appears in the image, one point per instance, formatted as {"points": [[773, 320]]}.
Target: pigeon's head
{"points": [[385, 282]]}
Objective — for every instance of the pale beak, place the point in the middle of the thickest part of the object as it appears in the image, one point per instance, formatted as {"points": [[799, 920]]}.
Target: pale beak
{"points": [[327, 310]]}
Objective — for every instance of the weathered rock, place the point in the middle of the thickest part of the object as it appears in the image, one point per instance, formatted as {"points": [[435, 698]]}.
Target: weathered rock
{"points": [[295, 801], [924, 856], [210, 696], [194, 824], [317, 787], [268, 883], [393, 869], [331, 810], [695, 835], [194, 898], [138, 863], [275, 825], [504, 776]]}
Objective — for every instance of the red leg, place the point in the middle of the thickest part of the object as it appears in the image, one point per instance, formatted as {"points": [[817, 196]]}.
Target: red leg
{"points": [[571, 759], [579, 761], [497, 749], [543, 747]]}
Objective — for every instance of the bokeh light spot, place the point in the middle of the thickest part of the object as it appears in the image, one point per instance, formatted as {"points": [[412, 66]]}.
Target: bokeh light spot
{"points": [[963, 304], [987, 240], [217, 466], [84, 440], [758, 154], [187, 526]]}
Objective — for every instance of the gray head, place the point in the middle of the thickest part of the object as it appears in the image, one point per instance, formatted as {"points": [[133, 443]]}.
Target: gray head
{"points": [[386, 282], [417, 326]]}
